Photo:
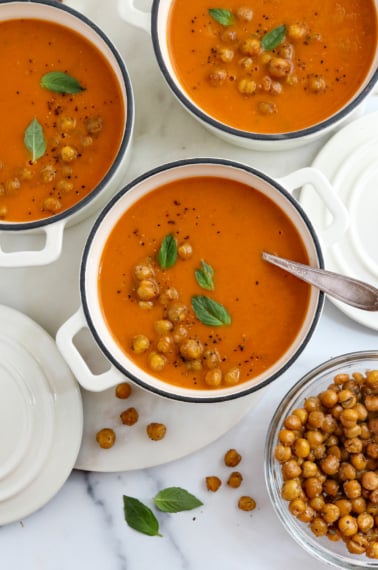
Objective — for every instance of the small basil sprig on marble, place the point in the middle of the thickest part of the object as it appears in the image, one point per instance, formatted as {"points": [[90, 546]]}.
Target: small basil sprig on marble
{"points": [[167, 254], [204, 276], [222, 16], [61, 82], [170, 500], [34, 139], [273, 38], [175, 500], [210, 312]]}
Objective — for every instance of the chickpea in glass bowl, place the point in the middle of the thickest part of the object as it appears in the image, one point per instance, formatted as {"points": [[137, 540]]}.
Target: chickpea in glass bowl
{"points": [[321, 461]]}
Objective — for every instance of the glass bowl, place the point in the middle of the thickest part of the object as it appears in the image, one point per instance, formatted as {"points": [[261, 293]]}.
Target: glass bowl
{"points": [[312, 384]]}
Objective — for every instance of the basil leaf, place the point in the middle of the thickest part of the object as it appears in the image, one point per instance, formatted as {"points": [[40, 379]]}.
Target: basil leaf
{"points": [[204, 276], [273, 38], [175, 499], [167, 254], [34, 140], [210, 312], [139, 517], [222, 16], [61, 82]]}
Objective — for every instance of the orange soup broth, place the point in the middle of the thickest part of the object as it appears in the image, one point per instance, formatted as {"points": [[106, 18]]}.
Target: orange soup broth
{"points": [[29, 49], [339, 45], [228, 225]]}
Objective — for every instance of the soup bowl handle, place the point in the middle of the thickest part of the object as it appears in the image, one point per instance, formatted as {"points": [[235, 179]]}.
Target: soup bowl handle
{"points": [[132, 15], [339, 214], [50, 251], [80, 369]]}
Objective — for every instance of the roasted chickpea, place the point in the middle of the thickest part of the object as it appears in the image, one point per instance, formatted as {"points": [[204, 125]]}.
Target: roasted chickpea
{"points": [[213, 483], [246, 503], [51, 204], [185, 250], [129, 417], [106, 438], [12, 186], [235, 479], [67, 124], [213, 377], [140, 343], [296, 31], [225, 54], [94, 125], [165, 344], [147, 290], [266, 108], [191, 349], [68, 153], [144, 271], [156, 361], [251, 46], [247, 86], [279, 67], [244, 13], [211, 358], [348, 525], [217, 77], [156, 431], [123, 390], [232, 376], [232, 458], [177, 312], [48, 173]]}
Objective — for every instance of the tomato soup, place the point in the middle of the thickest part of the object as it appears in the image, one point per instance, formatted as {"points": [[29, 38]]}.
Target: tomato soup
{"points": [[62, 117], [272, 66], [185, 292]]}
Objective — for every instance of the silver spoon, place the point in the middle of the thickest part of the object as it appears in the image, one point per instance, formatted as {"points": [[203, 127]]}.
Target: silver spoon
{"points": [[351, 291]]}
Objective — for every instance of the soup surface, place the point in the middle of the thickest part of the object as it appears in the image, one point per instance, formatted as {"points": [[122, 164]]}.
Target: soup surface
{"points": [[272, 66], [59, 139], [185, 243]]}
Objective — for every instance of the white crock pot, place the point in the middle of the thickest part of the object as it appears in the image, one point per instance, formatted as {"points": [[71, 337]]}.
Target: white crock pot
{"points": [[89, 315], [19, 250], [154, 22]]}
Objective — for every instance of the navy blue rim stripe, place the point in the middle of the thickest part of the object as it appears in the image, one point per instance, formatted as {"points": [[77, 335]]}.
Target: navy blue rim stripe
{"points": [[236, 132], [113, 202], [125, 140]]}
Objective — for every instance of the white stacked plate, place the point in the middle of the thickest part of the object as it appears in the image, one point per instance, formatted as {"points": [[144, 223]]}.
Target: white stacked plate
{"points": [[41, 417], [350, 161]]}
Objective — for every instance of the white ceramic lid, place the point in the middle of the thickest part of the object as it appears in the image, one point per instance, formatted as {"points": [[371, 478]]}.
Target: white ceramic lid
{"points": [[350, 161], [41, 417]]}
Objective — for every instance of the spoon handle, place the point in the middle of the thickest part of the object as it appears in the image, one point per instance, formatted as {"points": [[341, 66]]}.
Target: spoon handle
{"points": [[347, 289]]}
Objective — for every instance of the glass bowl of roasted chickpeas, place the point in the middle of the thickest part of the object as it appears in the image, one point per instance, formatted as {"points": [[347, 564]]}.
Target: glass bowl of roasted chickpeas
{"points": [[321, 461]]}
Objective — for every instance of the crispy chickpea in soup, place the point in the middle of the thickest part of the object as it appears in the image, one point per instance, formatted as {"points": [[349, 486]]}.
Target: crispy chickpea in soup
{"points": [[183, 288], [272, 66], [63, 115]]}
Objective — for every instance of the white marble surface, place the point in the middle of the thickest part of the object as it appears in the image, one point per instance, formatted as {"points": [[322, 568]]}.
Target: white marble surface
{"points": [[83, 526]]}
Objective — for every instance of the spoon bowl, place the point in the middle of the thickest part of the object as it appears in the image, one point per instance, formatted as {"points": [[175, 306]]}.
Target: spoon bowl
{"points": [[346, 289]]}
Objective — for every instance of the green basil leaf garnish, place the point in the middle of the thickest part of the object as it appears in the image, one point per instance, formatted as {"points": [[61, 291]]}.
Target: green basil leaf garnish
{"points": [[222, 16], [139, 517], [167, 254], [273, 38], [176, 499], [61, 82], [210, 312], [204, 276], [34, 140]]}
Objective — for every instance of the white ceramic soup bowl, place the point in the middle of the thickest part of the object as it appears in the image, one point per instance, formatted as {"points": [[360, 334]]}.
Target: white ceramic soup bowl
{"points": [[20, 248], [155, 22], [90, 315]]}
